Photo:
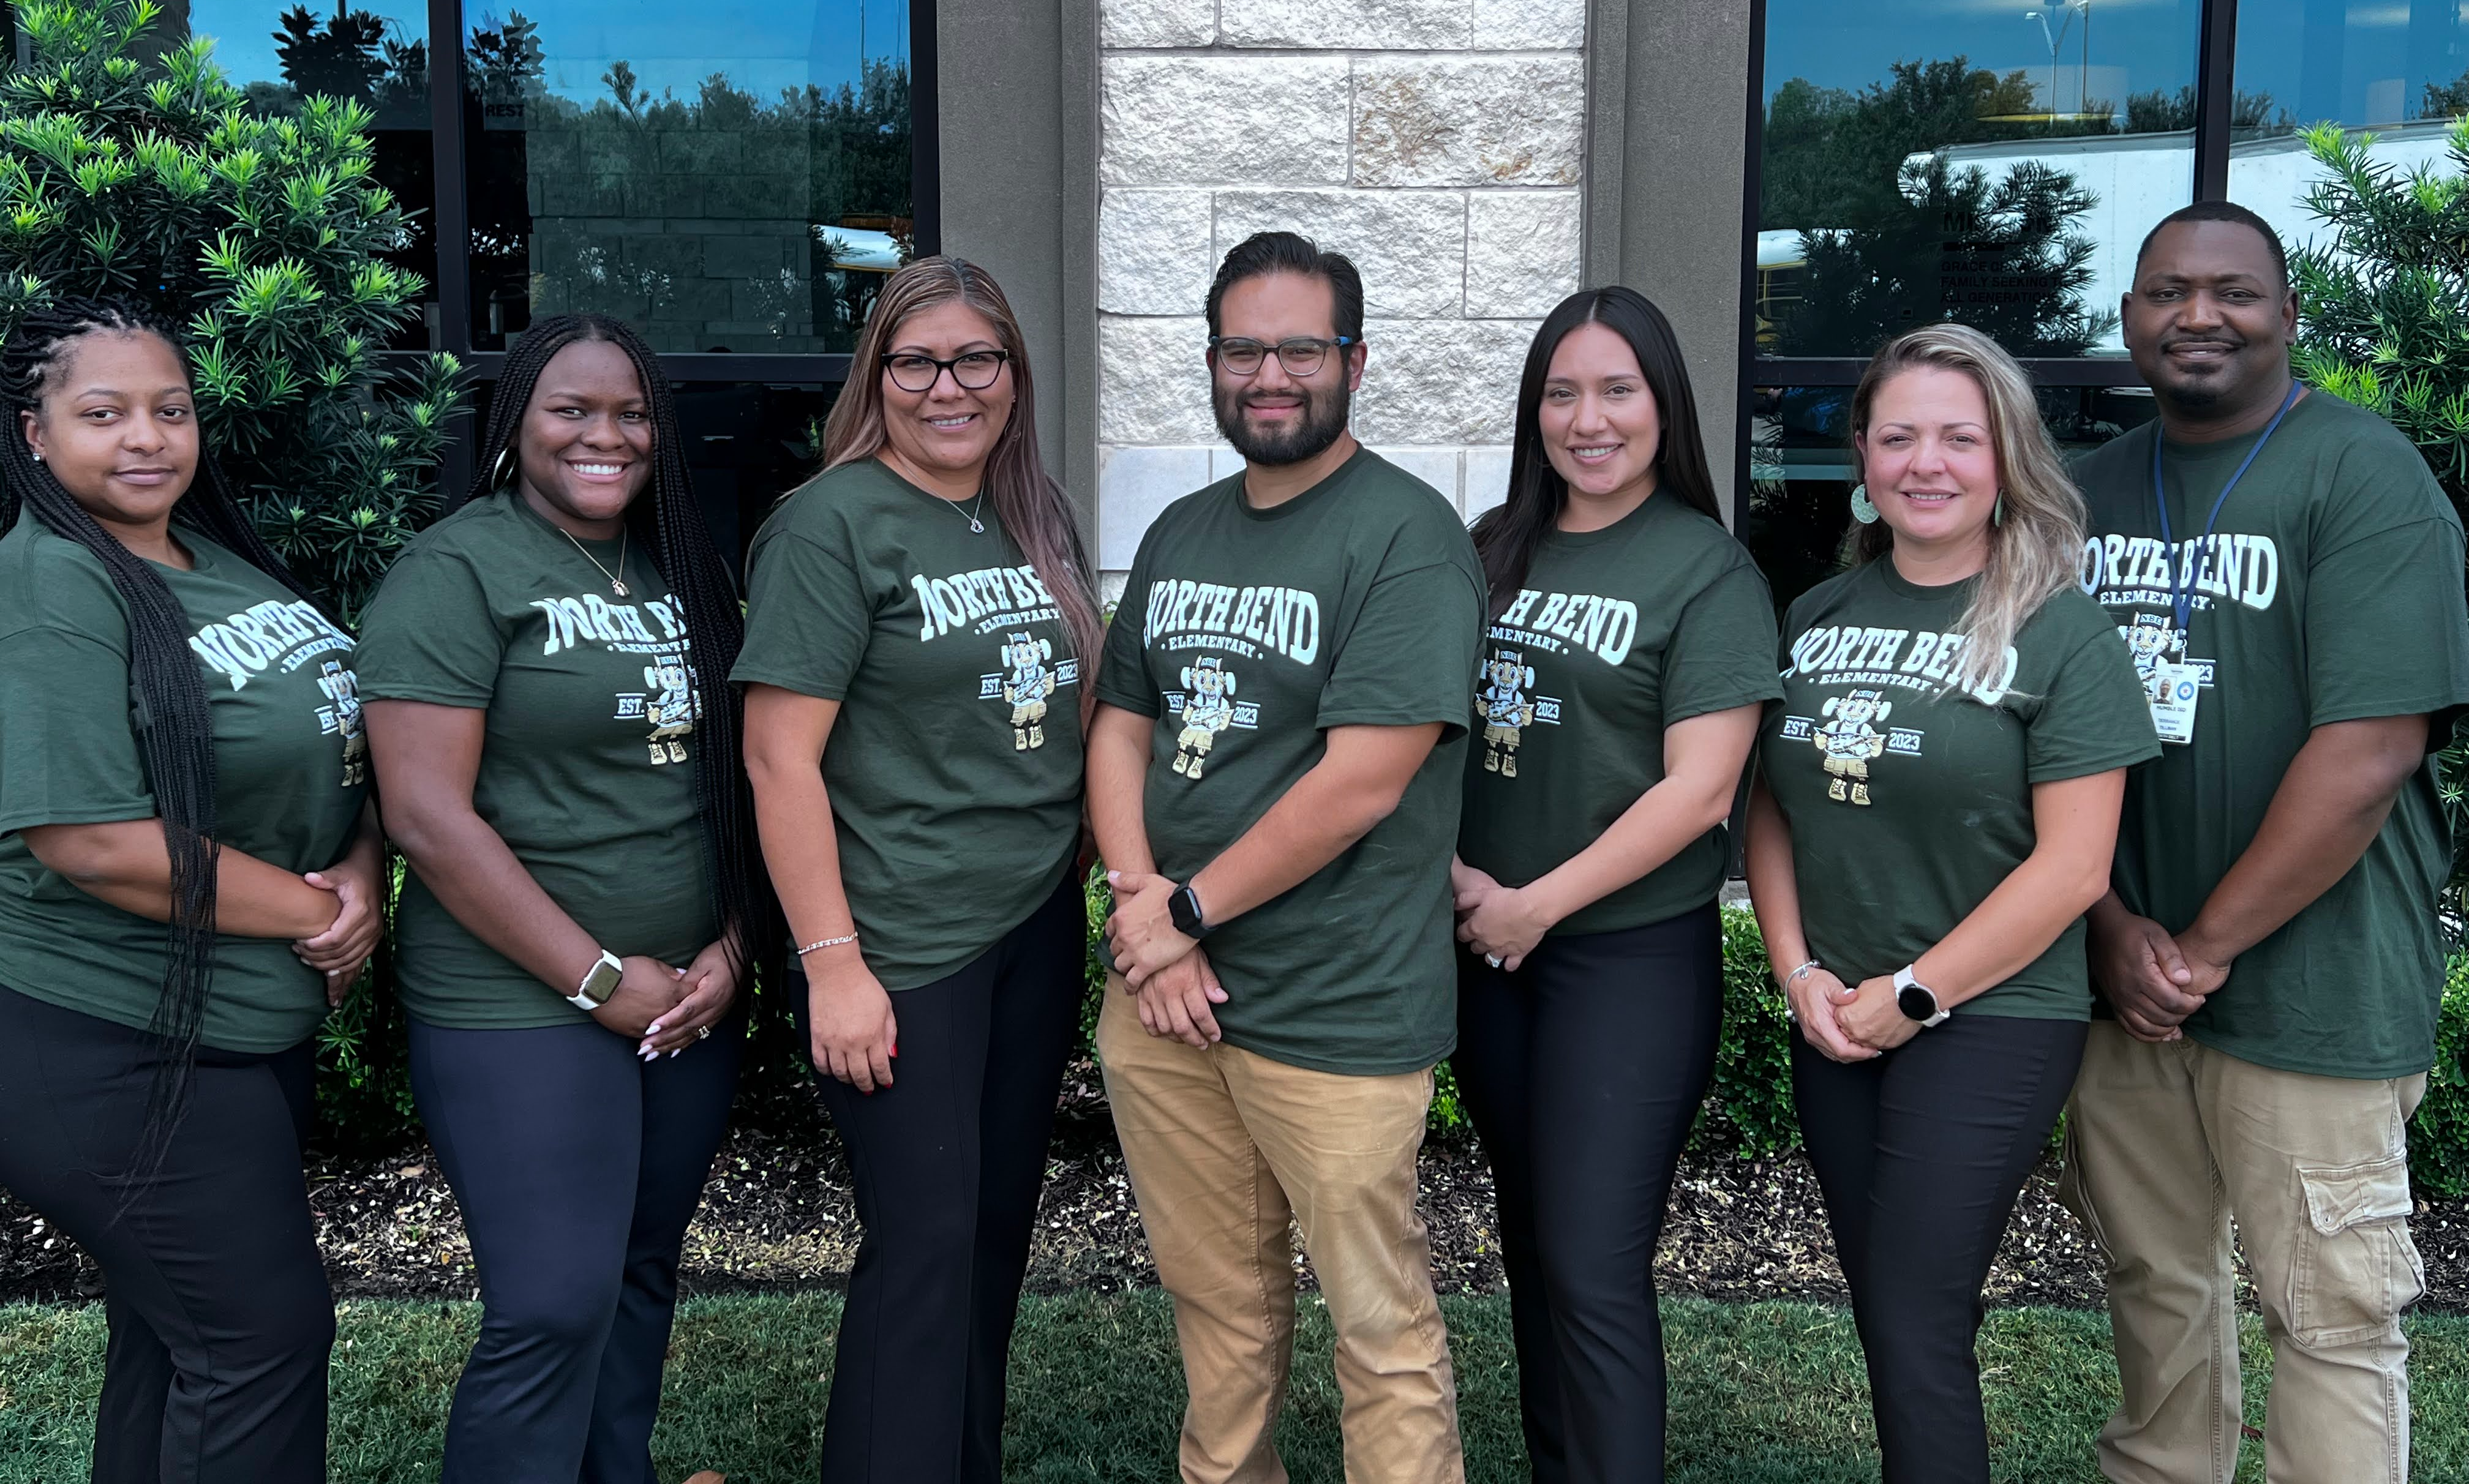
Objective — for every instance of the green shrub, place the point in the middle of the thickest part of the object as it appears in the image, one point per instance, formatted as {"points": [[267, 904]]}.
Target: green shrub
{"points": [[1748, 1110], [2438, 1137]]}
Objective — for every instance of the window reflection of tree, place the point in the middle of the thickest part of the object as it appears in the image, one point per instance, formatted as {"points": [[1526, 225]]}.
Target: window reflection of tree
{"points": [[756, 199]]}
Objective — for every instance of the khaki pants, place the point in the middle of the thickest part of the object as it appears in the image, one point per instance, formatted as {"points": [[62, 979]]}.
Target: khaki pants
{"points": [[1222, 1145], [2164, 1144]]}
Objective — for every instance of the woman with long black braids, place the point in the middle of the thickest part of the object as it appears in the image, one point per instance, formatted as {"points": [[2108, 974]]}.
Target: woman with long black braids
{"points": [[557, 746], [180, 745]]}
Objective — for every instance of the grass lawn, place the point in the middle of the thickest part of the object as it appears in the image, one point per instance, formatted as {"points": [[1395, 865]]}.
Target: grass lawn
{"points": [[1761, 1393]]}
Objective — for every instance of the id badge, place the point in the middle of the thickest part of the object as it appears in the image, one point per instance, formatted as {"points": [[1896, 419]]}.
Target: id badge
{"points": [[2174, 689]]}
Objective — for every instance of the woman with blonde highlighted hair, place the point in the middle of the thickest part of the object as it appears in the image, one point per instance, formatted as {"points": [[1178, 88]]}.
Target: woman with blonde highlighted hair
{"points": [[917, 618], [1936, 805]]}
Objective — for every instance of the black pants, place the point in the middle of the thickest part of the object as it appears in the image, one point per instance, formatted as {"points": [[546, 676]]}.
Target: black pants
{"points": [[216, 1301], [1583, 1071], [577, 1167], [1920, 1153], [947, 1162]]}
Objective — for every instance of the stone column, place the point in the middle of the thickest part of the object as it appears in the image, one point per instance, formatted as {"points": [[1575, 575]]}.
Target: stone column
{"points": [[1438, 143]]}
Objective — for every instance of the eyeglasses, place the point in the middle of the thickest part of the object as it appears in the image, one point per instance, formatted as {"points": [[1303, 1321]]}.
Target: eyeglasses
{"points": [[975, 371], [1300, 355]]}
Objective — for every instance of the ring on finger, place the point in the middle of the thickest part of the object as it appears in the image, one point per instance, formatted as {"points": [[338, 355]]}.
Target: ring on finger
{"points": [[703, 1033], [1493, 959]]}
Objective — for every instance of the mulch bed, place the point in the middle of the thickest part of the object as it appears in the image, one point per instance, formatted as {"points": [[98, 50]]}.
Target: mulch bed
{"points": [[777, 1215]]}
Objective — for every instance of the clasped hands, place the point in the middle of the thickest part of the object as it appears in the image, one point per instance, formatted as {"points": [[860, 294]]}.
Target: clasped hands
{"points": [[339, 952], [1501, 922], [1164, 969], [2152, 978], [1848, 1022]]}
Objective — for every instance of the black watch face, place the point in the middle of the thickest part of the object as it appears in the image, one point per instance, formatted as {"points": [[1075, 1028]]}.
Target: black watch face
{"points": [[1916, 1002], [1185, 913]]}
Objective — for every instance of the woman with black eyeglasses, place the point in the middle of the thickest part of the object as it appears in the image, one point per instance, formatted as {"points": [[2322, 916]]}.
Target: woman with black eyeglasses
{"points": [[915, 622]]}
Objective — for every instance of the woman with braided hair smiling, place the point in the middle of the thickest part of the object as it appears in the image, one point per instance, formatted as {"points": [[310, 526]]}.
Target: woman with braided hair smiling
{"points": [[179, 744], [558, 750]]}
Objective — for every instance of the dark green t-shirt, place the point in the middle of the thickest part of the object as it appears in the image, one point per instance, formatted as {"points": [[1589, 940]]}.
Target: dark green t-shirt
{"points": [[588, 762], [1248, 634], [1909, 802], [2331, 592], [291, 775], [1615, 635], [953, 767]]}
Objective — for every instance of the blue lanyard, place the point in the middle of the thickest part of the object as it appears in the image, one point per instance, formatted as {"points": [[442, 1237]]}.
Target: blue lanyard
{"points": [[2182, 576]]}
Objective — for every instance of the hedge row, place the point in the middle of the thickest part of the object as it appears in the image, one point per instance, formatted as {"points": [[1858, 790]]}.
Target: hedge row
{"points": [[365, 1097]]}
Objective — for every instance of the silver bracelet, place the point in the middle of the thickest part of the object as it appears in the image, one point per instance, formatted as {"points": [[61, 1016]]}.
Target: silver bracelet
{"points": [[826, 943], [1800, 973]]}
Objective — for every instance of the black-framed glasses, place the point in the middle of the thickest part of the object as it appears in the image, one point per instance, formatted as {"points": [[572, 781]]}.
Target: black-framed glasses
{"points": [[975, 371], [1300, 355]]}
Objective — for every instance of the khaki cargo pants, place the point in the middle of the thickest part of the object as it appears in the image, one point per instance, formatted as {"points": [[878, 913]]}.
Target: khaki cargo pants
{"points": [[2165, 1145], [1222, 1146]]}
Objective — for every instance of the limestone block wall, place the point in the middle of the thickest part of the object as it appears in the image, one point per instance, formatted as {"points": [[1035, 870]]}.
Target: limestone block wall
{"points": [[1438, 143]]}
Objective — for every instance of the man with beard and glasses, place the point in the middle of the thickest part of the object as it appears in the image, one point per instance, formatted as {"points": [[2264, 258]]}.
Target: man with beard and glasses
{"points": [[2288, 574], [1274, 767]]}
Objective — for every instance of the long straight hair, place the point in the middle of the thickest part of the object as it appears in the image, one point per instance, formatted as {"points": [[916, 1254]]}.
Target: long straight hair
{"points": [[2035, 548], [1508, 536], [170, 714], [670, 526], [1030, 505]]}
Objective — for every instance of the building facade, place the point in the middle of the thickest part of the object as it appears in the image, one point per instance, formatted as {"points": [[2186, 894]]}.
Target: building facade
{"points": [[1792, 180]]}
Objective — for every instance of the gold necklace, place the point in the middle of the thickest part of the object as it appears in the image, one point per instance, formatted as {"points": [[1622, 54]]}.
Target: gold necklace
{"points": [[616, 583]]}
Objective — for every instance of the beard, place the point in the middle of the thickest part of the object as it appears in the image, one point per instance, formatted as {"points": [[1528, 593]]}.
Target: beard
{"points": [[1324, 418]]}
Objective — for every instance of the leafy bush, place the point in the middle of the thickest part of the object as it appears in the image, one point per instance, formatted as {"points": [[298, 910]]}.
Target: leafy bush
{"points": [[2439, 1136], [1749, 1111], [265, 237]]}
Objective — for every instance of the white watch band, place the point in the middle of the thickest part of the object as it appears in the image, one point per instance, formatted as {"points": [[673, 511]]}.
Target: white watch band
{"points": [[1904, 980], [581, 1000]]}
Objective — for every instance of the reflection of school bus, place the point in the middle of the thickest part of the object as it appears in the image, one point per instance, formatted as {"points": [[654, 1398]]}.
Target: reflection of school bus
{"points": [[1783, 272]]}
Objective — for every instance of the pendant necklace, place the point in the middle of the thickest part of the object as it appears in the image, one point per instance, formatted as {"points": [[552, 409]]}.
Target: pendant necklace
{"points": [[977, 526], [616, 583]]}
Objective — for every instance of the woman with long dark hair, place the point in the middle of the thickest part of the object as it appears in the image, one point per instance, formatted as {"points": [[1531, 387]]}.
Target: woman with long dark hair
{"points": [[919, 615], [1936, 808], [179, 744], [1631, 646], [557, 751]]}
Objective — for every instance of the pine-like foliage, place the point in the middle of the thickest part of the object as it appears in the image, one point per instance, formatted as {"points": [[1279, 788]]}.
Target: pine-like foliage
{"points": [[2384, 298], [2383, 305], [126, 174]]}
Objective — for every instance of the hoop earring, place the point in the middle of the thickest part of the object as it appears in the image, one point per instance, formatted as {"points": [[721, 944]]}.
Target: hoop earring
{"points": [[501, 473], [1863, 509]]}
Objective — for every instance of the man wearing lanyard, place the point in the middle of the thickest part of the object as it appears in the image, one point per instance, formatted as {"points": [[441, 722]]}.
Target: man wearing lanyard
{"points": [[2287, 575]]}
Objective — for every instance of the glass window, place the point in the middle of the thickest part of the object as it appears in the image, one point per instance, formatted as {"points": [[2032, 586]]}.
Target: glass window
{"points": [[377, 56], [2397, 67], [730, 176], [1801, 469], [1992, 164], [2366, 63]]}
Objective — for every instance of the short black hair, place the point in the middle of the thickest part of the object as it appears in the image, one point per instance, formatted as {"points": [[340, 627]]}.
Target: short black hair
{"points": [[2219, 211], [1264, 252]]}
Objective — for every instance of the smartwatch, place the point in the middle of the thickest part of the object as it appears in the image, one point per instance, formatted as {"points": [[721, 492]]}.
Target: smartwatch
{"points": [[599, 982], [1916, 1000], [1183, 906]]}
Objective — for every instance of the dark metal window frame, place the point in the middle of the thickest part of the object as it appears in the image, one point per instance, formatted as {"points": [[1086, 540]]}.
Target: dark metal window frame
{"points": [[2216, 49], [452, 218]]}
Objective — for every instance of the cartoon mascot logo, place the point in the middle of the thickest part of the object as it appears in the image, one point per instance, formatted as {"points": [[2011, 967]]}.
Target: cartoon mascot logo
{"points": [[1207, 709], [1026, 683], [2149, 639], [1849, 743], [672, 710], [1505, 708], [342, 688]]}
